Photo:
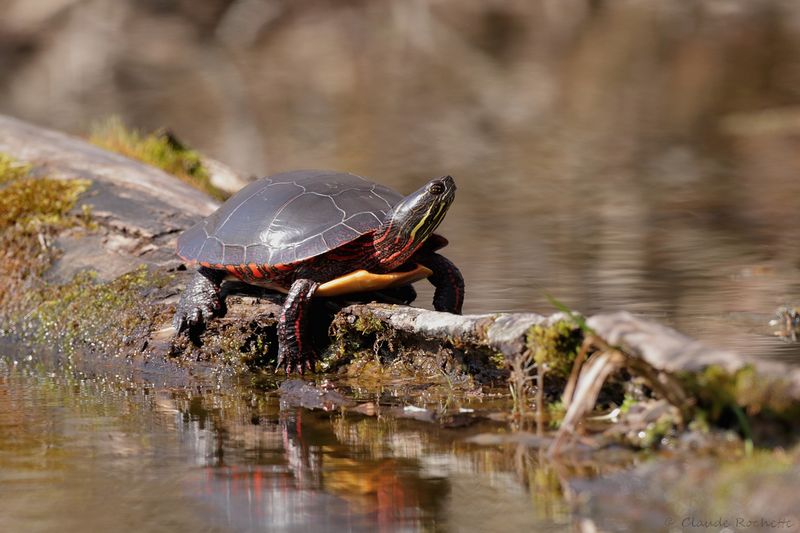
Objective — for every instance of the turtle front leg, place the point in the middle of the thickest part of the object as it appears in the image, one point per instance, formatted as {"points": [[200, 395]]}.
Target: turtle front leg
{"points": [[449, 283], [295, 351], [200, 300]]}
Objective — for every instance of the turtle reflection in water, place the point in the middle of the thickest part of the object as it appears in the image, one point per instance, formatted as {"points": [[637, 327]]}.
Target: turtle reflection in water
{"points": [[323, 233]]}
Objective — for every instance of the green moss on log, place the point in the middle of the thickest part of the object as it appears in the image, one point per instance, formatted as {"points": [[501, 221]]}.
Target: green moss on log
{"points": [[554, 346], [105, 317], [81, 313], [158, 149], [350, 335], [35, 204], [717, 392], [33, 211], [372, 355], [11, 169], [368, 324], [237, 345]]}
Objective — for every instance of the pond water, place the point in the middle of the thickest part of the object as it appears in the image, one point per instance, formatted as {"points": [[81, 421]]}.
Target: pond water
{"points": [[79, 454]]}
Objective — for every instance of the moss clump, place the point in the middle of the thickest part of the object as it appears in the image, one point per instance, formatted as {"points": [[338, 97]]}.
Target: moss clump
{"points": [[101, 316], [257, 352], [242, 346], [368, 324], [498, 360], [349, 340], [655, 432], [11, 169], [720, 393], [627, 402], [554, 346], [32, 212], [33, 204], [158, 149], [555, 413]]}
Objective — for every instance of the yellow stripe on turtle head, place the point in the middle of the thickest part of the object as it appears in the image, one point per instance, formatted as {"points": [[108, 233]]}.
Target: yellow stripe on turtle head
{"points": [[420, 223]]}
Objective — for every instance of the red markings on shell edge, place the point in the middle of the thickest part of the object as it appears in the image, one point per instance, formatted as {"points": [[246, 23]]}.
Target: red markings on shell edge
{"points": [[255, 270], [233, 270], [205, 264], [282, 267]]}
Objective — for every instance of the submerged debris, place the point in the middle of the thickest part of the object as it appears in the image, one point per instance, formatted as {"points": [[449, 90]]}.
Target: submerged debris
{"points": [[728, 492], [298, 393], [787, 323]]}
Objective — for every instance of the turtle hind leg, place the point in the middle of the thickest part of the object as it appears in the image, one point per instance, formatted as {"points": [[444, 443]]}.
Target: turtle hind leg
{"points": [[200, 301], [295, 350], [448, 281]]}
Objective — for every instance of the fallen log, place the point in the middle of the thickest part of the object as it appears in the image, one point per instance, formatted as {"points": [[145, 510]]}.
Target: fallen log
{"points": [[106, 296]]}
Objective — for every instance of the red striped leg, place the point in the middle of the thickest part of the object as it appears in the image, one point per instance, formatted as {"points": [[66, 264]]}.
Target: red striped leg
{"points": [[295, 351]]}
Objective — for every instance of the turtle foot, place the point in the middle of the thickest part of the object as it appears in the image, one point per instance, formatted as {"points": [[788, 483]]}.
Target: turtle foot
{"points": [[198, 304], [295, 347], [297, 362], [449, 294]]}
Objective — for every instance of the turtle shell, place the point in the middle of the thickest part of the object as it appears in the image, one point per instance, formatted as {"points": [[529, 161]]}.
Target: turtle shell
{"points": [[288, 218]]}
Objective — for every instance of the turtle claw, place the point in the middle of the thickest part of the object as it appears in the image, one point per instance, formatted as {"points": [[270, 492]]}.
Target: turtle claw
{"points": [[299, 363], [198, 304], [191, 318]]}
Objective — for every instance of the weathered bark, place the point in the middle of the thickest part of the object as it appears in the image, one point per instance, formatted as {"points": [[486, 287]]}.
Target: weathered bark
{"points": [[504, 333], [139, 208], [139, 211], [667, 350]]}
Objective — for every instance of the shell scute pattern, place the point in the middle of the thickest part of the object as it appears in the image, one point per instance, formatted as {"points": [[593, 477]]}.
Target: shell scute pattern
{"points": [[287, 218]]}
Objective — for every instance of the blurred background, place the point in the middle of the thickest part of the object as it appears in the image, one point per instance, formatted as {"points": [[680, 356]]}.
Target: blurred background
{"points": [[614, 154]]}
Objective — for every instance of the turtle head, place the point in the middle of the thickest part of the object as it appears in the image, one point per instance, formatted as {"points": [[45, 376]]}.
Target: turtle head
{"points": [[412, 221]]}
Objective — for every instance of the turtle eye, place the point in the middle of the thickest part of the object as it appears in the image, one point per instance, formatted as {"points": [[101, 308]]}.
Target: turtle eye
{"points": [[437, 188]]}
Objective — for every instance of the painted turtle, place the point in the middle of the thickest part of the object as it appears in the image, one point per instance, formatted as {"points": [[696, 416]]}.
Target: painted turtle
{"points": [[318, 232]]}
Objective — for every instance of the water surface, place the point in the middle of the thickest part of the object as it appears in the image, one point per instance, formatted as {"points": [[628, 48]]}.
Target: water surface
{"points": [[108, 455]]}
